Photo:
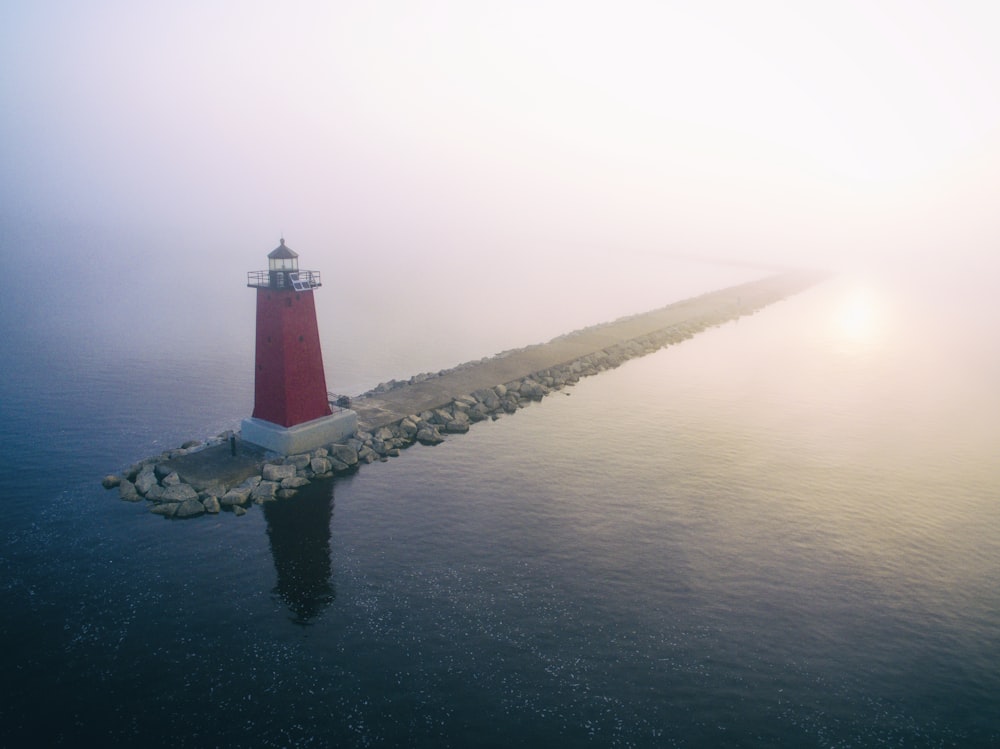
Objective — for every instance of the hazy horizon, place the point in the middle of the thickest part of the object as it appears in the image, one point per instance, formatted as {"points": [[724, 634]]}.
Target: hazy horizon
{"points": [[154, 154]]}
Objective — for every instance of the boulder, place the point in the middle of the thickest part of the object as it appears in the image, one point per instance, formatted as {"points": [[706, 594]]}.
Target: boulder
{"points": [[239, 511], [299, 461], [429, 436], [145, 481], [457, 427], [367, 455], [155, 494], [441, 416], [126, 490], [162, 471], [167, 509], [171, 479], [111, 481], [274, 472], [214, 487], [178, 493], [408, 427], [211, 504], [190, 508], [296, 481], [318, 465], [286, 493], [239, 495], [264, 491], [479, 412]]}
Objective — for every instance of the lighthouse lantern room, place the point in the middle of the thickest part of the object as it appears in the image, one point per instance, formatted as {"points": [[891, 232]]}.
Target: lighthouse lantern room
{"points": [[291, 411]]}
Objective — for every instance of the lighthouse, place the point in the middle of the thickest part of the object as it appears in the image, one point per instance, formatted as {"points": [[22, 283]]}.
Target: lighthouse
{"points": [[291, 412]]}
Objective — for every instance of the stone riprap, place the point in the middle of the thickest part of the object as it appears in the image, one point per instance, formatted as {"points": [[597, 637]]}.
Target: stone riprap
{"points": [[201, 478]]}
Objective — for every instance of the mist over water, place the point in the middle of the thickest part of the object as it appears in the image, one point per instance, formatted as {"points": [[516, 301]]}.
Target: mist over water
{"points": [[782, 532]]}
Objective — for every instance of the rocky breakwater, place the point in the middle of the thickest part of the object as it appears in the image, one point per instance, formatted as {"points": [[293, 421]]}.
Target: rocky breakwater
{"points": [[173, 488]]}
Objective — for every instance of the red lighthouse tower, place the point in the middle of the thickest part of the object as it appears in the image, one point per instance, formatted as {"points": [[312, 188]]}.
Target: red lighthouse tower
{"points": [[291, 409]]}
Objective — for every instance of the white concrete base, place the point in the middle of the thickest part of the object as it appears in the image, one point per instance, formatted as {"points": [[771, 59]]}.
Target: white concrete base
{"points": [[300, 438]]}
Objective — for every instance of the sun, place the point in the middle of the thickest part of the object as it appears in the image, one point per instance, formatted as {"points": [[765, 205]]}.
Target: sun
{"points": [[859, 317]]}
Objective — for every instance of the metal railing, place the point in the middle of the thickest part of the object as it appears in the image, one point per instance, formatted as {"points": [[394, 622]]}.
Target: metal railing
{"points": [[298, 280]]}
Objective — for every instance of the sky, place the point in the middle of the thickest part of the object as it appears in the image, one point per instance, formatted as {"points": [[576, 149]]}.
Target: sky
{"points": [[431, 135]]}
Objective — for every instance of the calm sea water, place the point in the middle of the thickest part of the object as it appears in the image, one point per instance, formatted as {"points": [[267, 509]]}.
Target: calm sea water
{"points": [[783, 532]]}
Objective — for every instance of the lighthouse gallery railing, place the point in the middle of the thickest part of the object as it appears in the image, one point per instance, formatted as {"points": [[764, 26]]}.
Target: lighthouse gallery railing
{"points": [[298, 280]]}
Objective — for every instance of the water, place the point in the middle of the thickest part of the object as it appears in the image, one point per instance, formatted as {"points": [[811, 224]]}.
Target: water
{"points": [[784, 531]]}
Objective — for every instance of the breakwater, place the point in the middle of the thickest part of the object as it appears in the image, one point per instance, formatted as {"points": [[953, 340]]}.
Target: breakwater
{"points": [[225, 473]]}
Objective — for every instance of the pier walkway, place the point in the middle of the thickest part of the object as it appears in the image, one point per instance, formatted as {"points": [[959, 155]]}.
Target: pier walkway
{"points": [[378, 409]]}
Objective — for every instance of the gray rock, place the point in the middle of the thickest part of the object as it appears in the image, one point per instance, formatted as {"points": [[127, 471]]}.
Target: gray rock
{"points": [[408, 427], [479, 412], [299, 461], [456, 427], [429, 436], [286, 493], [345, 454], [190, 508], [318, 465], [190, 443], [296, 481], [162, 471], [441, 416], [145, 481], [239, 495], [171, 479], [367, 455], [126, 490], [111, 481], [211, 505], [155, 494], [277, 473], [338, 466], [239, 511], [167, 509], [264, 491], [211, 486], [179, 493]]}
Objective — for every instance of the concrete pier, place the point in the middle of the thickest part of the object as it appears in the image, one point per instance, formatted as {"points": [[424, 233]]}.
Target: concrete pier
{"points": [[376, 409]]}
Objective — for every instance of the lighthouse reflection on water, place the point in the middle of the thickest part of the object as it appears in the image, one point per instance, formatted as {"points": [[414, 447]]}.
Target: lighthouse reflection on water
{"points": [[298, 530]]}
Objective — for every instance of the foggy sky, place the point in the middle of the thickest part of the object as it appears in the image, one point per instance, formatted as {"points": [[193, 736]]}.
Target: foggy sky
{"points": [[454, 132]]}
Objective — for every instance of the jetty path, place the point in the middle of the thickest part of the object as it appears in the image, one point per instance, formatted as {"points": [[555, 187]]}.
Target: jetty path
{"points": [[380, 408]]}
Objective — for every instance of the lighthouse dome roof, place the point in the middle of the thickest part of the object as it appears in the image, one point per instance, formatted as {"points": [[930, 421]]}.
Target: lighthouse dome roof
{"points": [[282, 251]]}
